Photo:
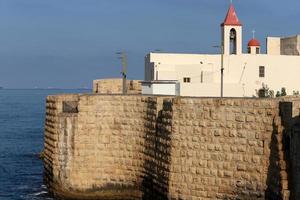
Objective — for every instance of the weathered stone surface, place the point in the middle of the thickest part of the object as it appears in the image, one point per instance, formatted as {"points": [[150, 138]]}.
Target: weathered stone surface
{"points": [[114, 86], [141, 147]]}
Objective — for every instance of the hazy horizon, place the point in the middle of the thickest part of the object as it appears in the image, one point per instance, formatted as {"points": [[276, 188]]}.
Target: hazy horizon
{"points": [[67, 44]]}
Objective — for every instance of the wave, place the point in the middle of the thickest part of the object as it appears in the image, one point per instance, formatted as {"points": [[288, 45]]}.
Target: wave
{"points": [[3, 170], [40, 193]]}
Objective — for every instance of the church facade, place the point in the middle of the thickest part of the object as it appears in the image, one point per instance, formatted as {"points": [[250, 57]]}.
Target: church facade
{"points": [[244, 74]]}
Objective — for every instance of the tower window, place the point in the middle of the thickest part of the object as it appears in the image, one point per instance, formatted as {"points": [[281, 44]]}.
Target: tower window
{"points": [[249, 49], [261, 71], [186, 79], [257, 50], [233, 41]]}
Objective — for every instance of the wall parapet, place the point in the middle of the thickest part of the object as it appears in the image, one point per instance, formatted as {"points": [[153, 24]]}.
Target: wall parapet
{"points": [[114, 86]]}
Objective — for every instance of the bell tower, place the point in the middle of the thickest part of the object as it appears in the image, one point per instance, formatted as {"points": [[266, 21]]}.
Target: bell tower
{"points": [[232, 33]]}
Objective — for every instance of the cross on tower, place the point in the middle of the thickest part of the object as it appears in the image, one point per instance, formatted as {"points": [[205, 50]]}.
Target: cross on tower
{"points": [[231, 1], [253, 34]]}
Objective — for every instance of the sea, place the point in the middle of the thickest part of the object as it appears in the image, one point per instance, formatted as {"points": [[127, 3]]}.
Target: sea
{"points": [[22, 115]]}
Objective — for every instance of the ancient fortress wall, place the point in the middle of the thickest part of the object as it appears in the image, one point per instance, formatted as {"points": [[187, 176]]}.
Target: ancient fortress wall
{"points": [[59, 136], [114, 86], [150, 147], [98, 149]]}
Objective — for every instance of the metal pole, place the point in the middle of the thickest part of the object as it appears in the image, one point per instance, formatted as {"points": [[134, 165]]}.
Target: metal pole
{"points": [[124, 73], [222, 67]]}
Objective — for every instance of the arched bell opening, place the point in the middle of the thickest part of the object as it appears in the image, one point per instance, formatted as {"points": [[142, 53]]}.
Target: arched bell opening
{"points": [[233, 41]]}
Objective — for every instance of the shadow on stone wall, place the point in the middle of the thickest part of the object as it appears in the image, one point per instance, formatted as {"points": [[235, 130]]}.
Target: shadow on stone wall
{"points": [[157, 152], [295, 159], [280, 176], [291, 145], [283, 172], [273, 176]]}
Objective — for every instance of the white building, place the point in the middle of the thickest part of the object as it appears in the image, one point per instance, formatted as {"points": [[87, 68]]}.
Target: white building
{"points": [[244, 73]]}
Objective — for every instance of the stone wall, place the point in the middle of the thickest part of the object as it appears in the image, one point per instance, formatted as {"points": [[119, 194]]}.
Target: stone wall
{"points": [[114, 86], [290, 45], [60, 128], [151, 147], [221, 148], [99, 150]]}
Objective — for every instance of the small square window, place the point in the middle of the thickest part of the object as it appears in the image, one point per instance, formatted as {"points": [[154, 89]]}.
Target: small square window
{"points": [[261, 71], [186, 80]]}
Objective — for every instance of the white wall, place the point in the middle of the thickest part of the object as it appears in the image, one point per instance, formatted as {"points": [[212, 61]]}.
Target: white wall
{"points": [[273, 45], [165, 89], [160, 89], [210, 90], [280, 71], [147, 88]]}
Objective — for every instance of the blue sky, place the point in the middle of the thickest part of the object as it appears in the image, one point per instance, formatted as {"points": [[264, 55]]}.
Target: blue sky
{"points": [[68, 43]]}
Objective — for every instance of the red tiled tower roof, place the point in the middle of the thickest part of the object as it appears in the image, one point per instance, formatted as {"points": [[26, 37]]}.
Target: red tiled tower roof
{"points": [[253, 43], [231, 18]]}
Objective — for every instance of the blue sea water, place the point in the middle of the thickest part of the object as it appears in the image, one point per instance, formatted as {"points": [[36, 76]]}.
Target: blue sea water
{"points": [[22, 114]]}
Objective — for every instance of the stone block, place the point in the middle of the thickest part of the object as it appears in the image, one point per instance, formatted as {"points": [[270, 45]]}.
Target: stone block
{"points": [[250, 118]]}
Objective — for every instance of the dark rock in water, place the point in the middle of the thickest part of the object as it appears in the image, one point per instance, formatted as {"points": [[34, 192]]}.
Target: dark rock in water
{"points": [[41, 155]]}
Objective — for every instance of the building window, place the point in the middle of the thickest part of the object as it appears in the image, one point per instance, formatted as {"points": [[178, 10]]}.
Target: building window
{"points": [[249, 50], [261, 71], [257, 50], [186, 80]]}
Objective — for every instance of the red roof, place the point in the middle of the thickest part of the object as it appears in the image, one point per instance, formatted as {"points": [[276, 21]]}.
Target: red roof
{"points": [[254, 43], [231, 18]]}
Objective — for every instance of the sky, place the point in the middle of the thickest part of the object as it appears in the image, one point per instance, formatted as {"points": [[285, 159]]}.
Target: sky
{"points": [[69, 43]]}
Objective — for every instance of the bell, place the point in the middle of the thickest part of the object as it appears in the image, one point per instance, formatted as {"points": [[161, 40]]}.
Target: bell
{"points": [[232, 35]]}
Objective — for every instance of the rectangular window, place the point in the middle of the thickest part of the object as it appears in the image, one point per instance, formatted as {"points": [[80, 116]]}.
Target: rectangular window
{"points": [[70, 106], [186, 80], [257, 50], [261, 71]]}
